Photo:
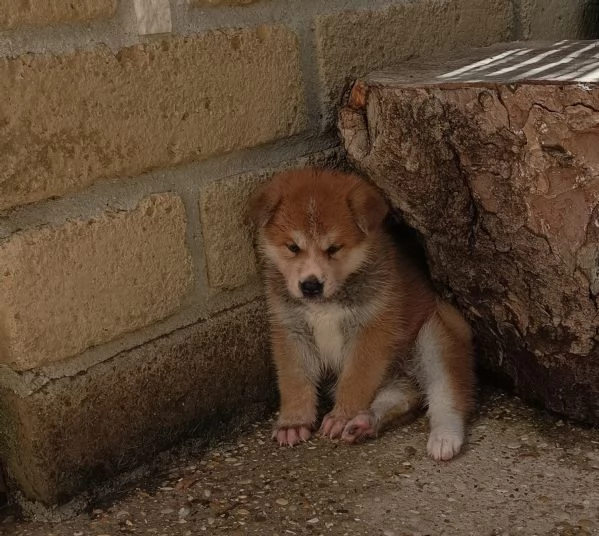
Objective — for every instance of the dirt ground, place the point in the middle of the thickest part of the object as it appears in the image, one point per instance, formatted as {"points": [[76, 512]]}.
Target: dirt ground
{"points": [[523, 472]]}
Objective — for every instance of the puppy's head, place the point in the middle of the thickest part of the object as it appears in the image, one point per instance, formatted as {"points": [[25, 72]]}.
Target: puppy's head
{"points": [[316, 227]]}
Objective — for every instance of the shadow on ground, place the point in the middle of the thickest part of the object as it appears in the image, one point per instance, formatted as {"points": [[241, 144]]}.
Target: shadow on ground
{"points": [[523, 472]]}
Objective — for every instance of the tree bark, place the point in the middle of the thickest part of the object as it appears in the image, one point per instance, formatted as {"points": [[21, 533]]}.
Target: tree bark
{"points": [[494, 159]]}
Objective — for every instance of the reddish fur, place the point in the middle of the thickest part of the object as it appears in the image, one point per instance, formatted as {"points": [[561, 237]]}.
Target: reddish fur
{"points": [[316, 202]]}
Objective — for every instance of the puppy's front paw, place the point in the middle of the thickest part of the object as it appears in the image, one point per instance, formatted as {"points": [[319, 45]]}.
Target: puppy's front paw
{"points": [[291, 435], [333, 424], [444, 444], [362, 426]]}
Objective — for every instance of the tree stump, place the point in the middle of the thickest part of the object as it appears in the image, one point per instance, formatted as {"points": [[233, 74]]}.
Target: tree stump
{"points": [[493, 158]]}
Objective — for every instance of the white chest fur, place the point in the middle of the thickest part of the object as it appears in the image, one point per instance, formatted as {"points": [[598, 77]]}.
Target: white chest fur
{"points": [[331, 341]]}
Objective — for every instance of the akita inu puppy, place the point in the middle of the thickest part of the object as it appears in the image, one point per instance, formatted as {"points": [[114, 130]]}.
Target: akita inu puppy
{"points": [[344, 300]]}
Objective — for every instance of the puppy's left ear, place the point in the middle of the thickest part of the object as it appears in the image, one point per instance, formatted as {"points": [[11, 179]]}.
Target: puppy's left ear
{"points": [[263, 203], [368, 207]]}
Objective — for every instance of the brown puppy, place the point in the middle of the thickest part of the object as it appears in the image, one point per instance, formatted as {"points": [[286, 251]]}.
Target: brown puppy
{"points": [[343, 300]]}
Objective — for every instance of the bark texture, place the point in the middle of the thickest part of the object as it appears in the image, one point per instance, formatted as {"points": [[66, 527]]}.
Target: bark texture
{"points": [[501, 179]]}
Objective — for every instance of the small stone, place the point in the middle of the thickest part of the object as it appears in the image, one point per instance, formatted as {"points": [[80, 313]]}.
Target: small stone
{"points": [[410, 450], [282, 502], [243, 512], [166, 511], [313, 521], [184, 511]]}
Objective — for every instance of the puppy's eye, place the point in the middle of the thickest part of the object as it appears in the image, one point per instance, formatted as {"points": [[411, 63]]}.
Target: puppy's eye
{"points": [[331, 250], [294, 248]]}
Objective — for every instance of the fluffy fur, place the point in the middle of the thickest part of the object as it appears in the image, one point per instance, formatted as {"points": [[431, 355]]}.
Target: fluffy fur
{"points": [[344, 301]]}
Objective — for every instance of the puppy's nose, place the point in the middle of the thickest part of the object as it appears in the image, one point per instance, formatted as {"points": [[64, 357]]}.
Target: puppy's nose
{"points": [[311, 287]]}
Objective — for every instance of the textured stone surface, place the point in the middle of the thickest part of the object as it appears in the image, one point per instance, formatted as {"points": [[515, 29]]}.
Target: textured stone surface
{"points": [[227, 233], [66, 121], [501, 178], [15, 13], [522, 472], [82, 429], [66, 288], [353, 43], [153, 16], [556, 19], [223, 2]]}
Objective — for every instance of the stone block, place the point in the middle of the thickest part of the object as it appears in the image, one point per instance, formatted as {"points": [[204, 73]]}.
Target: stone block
{"points": [[68, 287], [70, 120]]}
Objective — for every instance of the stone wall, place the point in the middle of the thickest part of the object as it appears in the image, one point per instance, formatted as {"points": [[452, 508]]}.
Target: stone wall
{"points": [[131, 134]]}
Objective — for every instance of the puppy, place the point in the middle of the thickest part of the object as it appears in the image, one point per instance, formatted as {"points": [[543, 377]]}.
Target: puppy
{"points": [[344, 301]]}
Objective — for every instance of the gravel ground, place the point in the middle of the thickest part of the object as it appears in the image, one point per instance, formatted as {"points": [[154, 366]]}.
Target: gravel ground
{"points": [[523, 472]]}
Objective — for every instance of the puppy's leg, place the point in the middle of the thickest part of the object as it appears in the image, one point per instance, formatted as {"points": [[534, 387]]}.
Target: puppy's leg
{"points": [[444, 351], [297, 415], [361, 377], [397, 398]]}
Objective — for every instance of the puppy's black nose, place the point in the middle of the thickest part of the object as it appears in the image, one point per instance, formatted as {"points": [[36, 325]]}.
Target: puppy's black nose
{"points": [[311, 287]]}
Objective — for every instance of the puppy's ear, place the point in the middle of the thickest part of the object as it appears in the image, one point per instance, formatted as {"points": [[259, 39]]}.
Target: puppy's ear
{"points": [[263, 203], [368, 207]]}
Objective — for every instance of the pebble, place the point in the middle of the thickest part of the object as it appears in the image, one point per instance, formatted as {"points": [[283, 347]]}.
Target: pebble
{"points": [[313, 521], [282, 502], [167, 511], [184, 511]]}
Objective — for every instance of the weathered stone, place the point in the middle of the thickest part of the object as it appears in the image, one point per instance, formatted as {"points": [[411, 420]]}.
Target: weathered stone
{"points": [[15, 13], [228, 236], [66, 121], [556, 19], [354, 42], [496, 165], [68, 287], [79, 430], [223, 2]]}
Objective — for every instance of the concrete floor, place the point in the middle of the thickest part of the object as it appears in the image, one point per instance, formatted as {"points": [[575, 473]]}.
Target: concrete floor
{"points": [[523, 472]]}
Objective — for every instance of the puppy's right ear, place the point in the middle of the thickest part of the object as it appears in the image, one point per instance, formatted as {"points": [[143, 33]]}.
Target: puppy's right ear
{"points": [[263, 203]]}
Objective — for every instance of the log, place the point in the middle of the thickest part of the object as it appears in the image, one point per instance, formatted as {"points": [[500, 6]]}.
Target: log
{"points": [[493, 157]]}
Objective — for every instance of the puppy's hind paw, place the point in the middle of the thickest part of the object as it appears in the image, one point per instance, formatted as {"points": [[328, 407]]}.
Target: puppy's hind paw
{"points": [[444, 444], [362, 426], [291, 435]]}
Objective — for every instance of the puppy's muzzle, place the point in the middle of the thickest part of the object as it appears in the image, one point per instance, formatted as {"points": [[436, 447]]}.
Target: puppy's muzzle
{"points": [[311, 287]]}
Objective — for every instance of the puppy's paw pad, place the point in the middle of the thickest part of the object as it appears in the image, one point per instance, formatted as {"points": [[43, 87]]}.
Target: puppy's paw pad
{"points": [[333, 425], [362, 426], [291, 435], [444, 444]]}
